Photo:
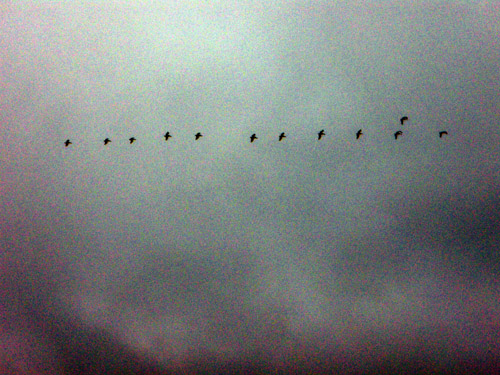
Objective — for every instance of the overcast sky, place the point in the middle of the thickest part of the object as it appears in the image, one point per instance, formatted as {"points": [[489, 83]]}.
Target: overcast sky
{"points": [[224, 255]]}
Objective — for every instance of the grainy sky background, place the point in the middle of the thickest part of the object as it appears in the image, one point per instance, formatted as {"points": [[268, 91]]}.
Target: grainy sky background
{"points": [[225, 256]]}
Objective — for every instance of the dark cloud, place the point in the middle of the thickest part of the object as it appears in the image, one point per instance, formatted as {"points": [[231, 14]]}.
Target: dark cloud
{"points": [[225, 256]]}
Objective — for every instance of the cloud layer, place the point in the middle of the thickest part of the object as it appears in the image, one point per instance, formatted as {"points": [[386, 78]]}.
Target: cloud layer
{"points": [[222, 255]]}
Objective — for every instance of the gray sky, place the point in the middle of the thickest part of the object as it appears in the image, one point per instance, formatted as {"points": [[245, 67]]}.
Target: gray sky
{"points": [[358, 255]]}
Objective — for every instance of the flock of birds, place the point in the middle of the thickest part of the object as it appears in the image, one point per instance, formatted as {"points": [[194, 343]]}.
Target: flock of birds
{"points": [[282, 135]]}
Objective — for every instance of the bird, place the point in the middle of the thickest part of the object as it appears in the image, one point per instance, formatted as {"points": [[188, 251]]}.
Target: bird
{"points": [[253, 137], [67, 143], [441, 133], [397, 134], [131, 140], [403, 119], [321, 133], [282, 135], [359, 134], [167, 136], [106, 141], [198, 136]]}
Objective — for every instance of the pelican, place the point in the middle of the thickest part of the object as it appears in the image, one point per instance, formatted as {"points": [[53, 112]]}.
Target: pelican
{"points": [[253, 137], [67, 143], [282, 135], [167, 136], [131, 140], [359, 134], [441, 133], [198, 136], [397, 134], [403, 119], [321, 133], [106, 141]]}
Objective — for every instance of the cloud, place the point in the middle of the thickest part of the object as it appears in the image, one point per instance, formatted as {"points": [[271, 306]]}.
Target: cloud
{"points": [[223, 255]]}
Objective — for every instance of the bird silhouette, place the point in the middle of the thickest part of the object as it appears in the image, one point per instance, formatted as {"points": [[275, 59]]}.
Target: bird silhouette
{"points": [[359, 134], [253, 137], [167, 136], [403, 119], [397, 134], [441, 133], [198, 136], [67, 143], [132, 139], [321, 133], [282, 135], [106, 141]]}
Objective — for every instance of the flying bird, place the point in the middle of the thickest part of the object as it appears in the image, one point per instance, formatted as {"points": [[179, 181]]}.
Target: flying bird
{"points": [[67, 143], [321, 133], [441, 133], [131, 140], [253, 137], [397, 134], [106, 141], [198, 136], [167, 136], [282, 135], [359, 134], [403, 119]]}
